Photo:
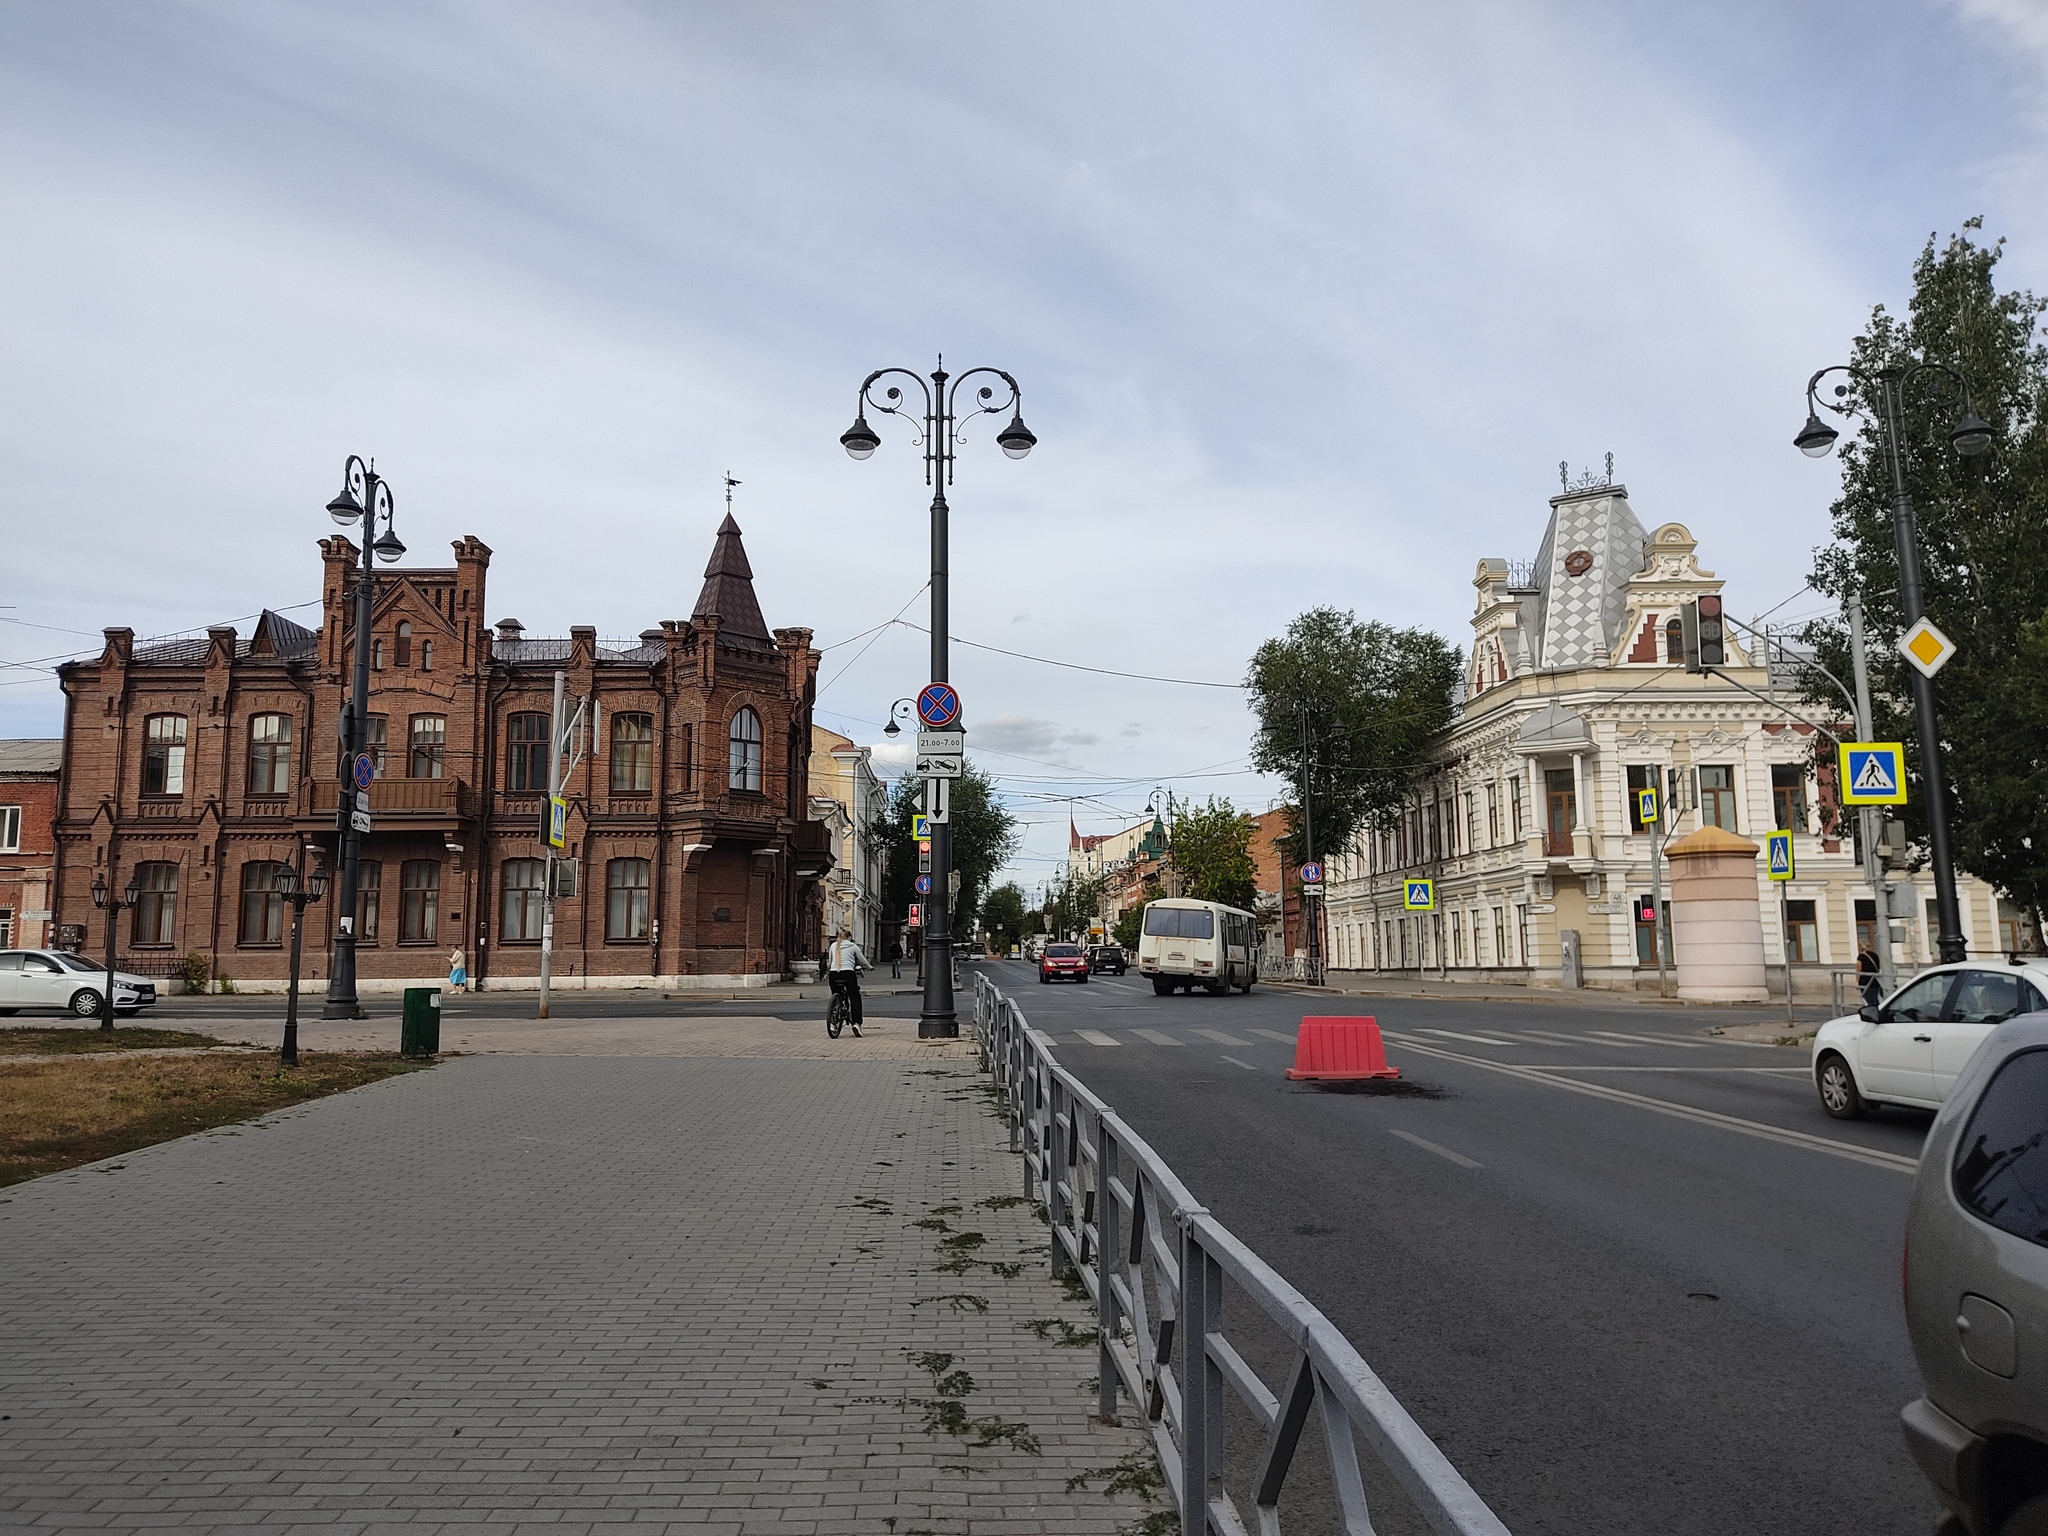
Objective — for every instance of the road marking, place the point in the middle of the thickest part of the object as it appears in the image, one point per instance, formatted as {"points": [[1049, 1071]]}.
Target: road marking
{"points": [[1156, 1037], [1544, 1034], [1429, 1146], [1097, 1037], [1221, 1038], [1855, 1154], [1452, 1034], [1121, 986], [1575, 1066], [1272, 1034], [1683, 1045], [1236, 1063]]}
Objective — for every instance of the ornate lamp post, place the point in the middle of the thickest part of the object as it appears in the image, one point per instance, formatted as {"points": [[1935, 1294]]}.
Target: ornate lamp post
{"points": [[902, 709], [364, 497], [940, 434], [1880, 397], [104, 898], [298, 888]]}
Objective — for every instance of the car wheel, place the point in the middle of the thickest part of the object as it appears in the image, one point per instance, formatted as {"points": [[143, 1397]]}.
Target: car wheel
{"points": [[1838, 1093], [1084, 978], [85, 1002], [2030, 1519]]}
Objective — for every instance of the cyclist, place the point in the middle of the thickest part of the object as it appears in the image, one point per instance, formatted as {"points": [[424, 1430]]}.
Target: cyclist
{"points": [[843, 964]]}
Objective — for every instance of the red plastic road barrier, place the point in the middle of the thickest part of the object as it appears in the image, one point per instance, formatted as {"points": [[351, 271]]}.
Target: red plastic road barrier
{"points": [[1341, 1050]]}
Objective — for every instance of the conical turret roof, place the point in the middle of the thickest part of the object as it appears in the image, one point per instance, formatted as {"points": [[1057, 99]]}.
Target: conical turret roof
{"points": [[729, 589]]}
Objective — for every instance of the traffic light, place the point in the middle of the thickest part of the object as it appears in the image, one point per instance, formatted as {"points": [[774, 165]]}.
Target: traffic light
{"points": [[1713, 649], [1646, 909]]}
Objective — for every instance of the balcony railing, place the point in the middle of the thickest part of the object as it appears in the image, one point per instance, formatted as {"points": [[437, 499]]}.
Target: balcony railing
{"points": [[402, 797]]}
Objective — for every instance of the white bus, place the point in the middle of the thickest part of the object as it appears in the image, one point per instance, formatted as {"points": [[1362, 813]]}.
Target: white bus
{"points": [[1198, 944]]}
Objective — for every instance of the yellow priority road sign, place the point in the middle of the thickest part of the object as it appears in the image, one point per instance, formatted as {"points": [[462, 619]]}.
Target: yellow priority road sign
{"points": [[1420, 895], [1926, 647], [1778, 854], [1872, 772]]}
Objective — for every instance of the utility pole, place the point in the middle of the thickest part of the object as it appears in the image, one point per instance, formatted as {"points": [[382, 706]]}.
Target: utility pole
{"points": [[1869, 817], [547, 889], [1311, 915]]}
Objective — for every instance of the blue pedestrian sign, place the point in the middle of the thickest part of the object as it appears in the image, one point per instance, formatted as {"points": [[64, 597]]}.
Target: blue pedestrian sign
{"points": [[1420, 895], [938, 706], [924, 885], [1873, 772], [1778, 854]]}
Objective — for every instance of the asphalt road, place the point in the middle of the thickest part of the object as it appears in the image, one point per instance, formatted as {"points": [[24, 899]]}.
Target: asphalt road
{"points": [[1669, 1303]]}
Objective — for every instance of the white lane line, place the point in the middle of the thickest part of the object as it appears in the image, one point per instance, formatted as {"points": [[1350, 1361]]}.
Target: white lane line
{"points": [[1855, 1154], [1156, 1037], [1220, 1038], [1544, 1034], [1121, 986], [1097, 1037], [1574, 1066], [1452, 1034], [1236, 1063], [1683, 1045], [1429, 1146], [1272, 1034]]}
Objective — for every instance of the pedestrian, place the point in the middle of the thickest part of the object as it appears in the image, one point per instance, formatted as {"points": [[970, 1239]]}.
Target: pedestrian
{"points": [[458, 974], [895, 959], [1866, 976], [843, 964]]}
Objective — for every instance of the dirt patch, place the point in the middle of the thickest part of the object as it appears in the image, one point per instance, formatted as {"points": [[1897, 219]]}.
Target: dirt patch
{"points": [[1770, 1032], [1379, 1087], [58, 1114], [73, 1040]]}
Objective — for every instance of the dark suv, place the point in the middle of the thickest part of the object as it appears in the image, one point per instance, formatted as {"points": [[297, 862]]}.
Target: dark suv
{"points": [[1108, 957]]}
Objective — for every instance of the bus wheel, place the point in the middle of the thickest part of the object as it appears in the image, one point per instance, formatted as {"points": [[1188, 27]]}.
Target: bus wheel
{"points": [[1161, 987]]}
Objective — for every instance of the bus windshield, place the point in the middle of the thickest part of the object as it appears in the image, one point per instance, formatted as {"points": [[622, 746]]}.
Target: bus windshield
{"points": [[1179, 923]]}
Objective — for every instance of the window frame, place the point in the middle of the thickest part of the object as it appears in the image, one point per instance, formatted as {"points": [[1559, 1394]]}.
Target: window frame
{"points": [[744, 755], [271, 897], [401, 645], [626, 906], [369, 899], [1969, 1157], [532, 900], [436, 750], [419, 906], [169, 752], [157, 901], [1788, 817], [527, 756], [10, 829], [1716, 796], [632, 752], [269, 757]]}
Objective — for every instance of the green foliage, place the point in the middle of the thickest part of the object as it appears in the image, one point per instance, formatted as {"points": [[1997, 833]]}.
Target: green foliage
{"points": [[197, 973], [984, 835], [1072, 901], [1212, 852], [1984, 562], [1129, 925], [1002, 915], [1346, 711]]}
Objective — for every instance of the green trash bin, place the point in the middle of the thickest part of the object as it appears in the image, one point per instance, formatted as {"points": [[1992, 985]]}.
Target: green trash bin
{"points": [[419, 1033]]}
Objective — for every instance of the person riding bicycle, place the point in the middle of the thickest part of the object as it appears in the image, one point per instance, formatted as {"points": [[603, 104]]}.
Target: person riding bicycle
{"points": [[843, 964]]}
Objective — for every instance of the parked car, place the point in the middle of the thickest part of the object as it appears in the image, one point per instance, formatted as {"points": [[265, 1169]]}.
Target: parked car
{"points": [[1910, 1048], [56, 979], [1976, 1278], [1108, 957], [1062, 962]]}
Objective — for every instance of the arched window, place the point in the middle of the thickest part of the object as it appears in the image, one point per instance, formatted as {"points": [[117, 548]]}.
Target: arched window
{"points": [[404, 645], [519, 903], [270, 754], [632, 753], [743, 751], [262, 904], [625, 907], [376, 655], [163, 755], [1674, 642], [526, 753], [426, 655], [156, 904]]}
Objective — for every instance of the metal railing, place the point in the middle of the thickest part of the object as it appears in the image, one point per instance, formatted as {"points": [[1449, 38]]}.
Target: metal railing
{"points": [[1155, 1264]]}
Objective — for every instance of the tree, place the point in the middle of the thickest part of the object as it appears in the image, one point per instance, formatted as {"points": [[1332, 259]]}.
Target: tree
{"points": [[1002, 915], [1985, 567], [1072, 900], [984, 837], [1212, 852], [1346, 712], [1130, 922]]}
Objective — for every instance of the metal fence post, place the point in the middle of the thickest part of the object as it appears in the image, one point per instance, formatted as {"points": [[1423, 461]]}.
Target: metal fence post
{"points": [[1108, 1246], [1195, 1449]]}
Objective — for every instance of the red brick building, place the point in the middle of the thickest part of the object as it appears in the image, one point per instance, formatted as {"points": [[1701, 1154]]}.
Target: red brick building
{"points": [[28, 857], [203, 766]]}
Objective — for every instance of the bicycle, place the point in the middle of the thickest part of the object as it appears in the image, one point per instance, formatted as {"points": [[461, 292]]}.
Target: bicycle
{"points": [[839, 1014]]}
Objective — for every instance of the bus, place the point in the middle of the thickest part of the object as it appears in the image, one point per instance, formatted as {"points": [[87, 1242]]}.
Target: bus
{"points": [[1194, 944]]}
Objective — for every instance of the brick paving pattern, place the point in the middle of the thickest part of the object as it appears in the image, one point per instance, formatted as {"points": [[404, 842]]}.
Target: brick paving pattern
{"points": [[658, 1283]]}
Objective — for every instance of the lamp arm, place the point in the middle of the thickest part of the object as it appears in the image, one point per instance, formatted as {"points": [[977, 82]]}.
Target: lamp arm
{"points": [[891, 401]]}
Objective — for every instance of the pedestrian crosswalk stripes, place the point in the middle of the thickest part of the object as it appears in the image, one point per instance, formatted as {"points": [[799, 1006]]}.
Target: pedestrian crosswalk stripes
{"points": [[1221, 1038], [1683, 1045], [1097, 1037], [1156, 1037]]}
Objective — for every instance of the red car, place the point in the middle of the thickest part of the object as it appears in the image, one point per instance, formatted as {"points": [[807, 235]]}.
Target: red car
{"points": [[1063, 962]]}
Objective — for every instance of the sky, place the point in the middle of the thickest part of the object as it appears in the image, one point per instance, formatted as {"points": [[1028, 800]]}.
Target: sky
{"points": [[1307, 303]]}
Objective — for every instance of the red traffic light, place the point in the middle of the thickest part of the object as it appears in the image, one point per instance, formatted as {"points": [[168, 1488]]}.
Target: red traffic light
{"points": [[1710, 606]]}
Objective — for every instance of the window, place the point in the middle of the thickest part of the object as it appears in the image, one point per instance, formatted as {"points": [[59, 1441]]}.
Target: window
{"points": [[1646, 938], [1515, 805], [376, 738], [429, 746], [1802, 932], [633, 754], [262, 904], [163, 755], [10, 829], [682, 742], [1921, 1002], [1788, 797], [7, 937], [1640, 778], [1500, 936], [270, 754], [419, 910], [743, 751], [526, 753], [156, 904], [1471, 821], [1457, 938], [625, 906], [519, 904], [1561, 799], [376, 655], [1866, 926], [402, 646], [1717, 798], [1522, 936], [2001, 1170], [1492, 816], [369, 897], [1674, 643], [426, 655], [1986, 997], [1179, 922]]}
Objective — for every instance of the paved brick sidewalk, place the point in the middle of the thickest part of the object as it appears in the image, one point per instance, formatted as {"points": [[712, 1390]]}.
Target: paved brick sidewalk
{"points": [[555, 1293]]}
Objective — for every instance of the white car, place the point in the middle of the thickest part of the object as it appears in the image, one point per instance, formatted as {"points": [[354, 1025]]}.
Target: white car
{"points": [[1910, 1048], [53, 978]]}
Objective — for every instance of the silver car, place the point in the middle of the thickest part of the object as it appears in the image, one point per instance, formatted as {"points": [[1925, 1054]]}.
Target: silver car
{"points": [[1976, 1275], [55, 978]]}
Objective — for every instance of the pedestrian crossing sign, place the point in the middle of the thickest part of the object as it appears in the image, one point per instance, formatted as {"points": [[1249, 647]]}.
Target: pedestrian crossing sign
{"points": [[1646, 807], [1420, 896], [1873, 772], [1778, 854], [920, 826]]}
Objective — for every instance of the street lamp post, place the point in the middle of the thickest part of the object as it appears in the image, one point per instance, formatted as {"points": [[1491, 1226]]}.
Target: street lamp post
{"points": [[1880, 396], [104, 898], [365, 495], [940, 435], [902, 709], [298, 888]]}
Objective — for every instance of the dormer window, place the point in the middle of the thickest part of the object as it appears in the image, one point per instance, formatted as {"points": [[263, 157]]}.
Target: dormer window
{"points": [[404, 657]]}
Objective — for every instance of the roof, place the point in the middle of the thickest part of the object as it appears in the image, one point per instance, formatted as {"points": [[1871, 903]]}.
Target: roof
{"points": [[287, 639], [1709, 840], [31, 756], [729, 589]]}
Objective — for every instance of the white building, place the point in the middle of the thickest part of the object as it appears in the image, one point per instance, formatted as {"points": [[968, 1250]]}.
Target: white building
{"points": [[851, 801]]}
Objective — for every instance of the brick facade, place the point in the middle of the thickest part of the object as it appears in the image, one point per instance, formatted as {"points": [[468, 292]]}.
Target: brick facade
{"points": [[208, 760], [28, 858]]}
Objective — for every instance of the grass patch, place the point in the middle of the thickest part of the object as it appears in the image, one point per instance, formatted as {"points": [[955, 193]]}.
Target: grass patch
{"points": [[58, 1114], [91, 1040]]}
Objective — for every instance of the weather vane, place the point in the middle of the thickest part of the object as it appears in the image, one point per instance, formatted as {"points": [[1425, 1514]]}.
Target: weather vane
{"points": [[730, 483], [1587, 480]]}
